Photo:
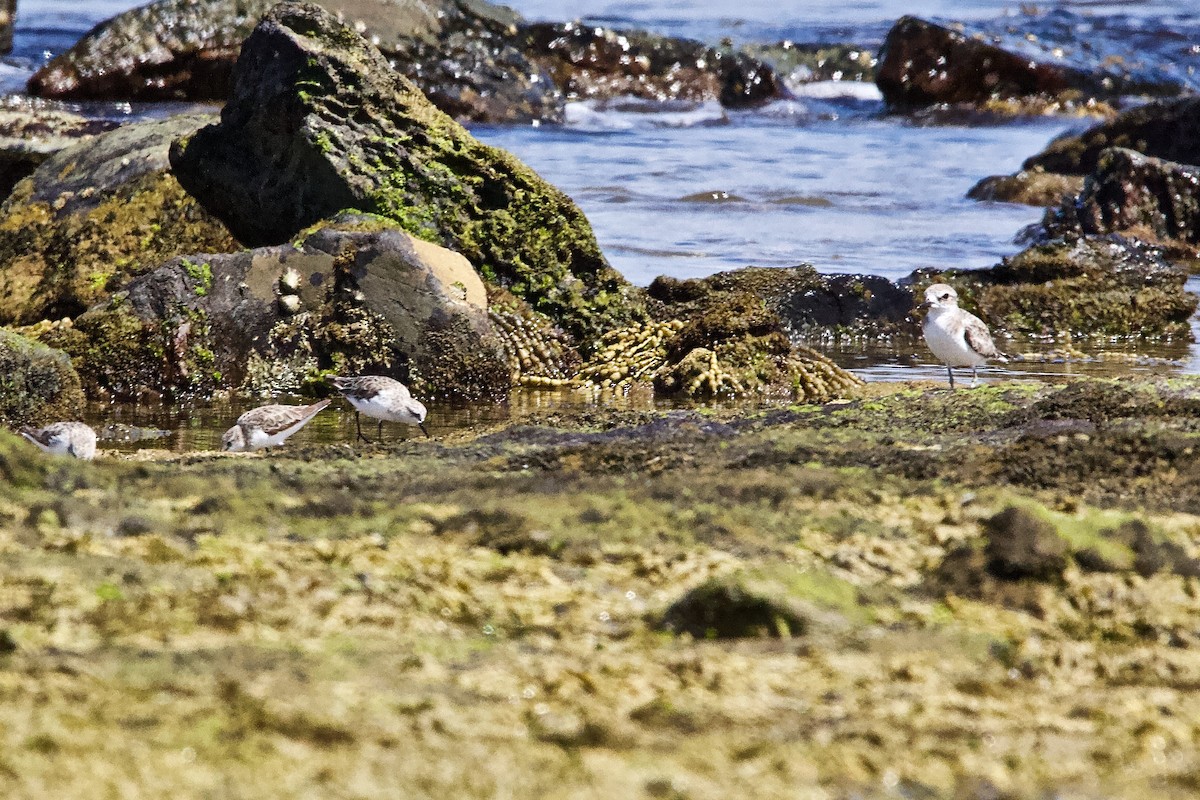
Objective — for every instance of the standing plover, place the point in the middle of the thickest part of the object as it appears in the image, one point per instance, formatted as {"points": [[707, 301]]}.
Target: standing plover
{"points": [[383, 399], [958, 338], [268, 426], [64, 439]]}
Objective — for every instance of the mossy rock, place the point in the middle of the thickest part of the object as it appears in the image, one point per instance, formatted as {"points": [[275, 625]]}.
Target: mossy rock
{"points": [[1080, 286], [38, 384], [1020, 544], [318, 122], [770, 603], [93, 216]]}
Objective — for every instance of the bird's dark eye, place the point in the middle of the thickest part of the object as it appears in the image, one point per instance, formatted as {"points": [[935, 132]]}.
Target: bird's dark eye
{"points": [[945, 297]]}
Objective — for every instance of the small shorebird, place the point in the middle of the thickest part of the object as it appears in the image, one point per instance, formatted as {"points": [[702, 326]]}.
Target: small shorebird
{"points": [[958, 338], [383, 399], [268, 426], [64, 439]]}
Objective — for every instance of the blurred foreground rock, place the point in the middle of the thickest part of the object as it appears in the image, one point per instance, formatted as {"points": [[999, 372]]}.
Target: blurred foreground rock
{"points": [[37, 383]]}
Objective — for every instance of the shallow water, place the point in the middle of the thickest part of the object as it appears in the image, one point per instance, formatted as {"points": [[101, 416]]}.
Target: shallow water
{"points": [[689, 190]]}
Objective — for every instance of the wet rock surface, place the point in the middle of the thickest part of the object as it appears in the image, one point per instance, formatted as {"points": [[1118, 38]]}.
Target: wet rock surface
{"points": [[1037, 58], [319, 121], [474, 60], [94, 215], [1157, 201], [38, 385], [1083, 286], [527, 601], [356, 296], [588, 62]]}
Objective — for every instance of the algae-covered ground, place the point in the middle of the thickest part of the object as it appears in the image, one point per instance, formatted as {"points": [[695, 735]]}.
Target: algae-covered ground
{"points": [[918, 594]]}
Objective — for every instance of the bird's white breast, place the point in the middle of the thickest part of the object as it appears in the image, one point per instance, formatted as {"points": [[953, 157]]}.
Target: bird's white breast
{"points": [[945, 333]]}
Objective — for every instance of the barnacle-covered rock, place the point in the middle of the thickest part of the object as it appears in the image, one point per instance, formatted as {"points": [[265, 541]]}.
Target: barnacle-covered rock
{"points": [[630, 354], [539, 354]]}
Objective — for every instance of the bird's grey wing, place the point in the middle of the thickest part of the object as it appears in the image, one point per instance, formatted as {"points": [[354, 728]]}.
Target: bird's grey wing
{"points": [[40, 436], [978, 337], [272, 419]]}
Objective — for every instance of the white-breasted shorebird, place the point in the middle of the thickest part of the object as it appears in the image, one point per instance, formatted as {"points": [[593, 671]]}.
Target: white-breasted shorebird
{"points": [[268, 426], [384, 399], [958, 338], [64, 439]]}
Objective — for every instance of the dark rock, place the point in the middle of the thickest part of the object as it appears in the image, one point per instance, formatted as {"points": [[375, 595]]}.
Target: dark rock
{"points": [[317, 123], [592, 62], [1034, 187], [1020, 544], [37, 383], [922, 63], [1152, 555], [459, 52], [1038, 65], [356, 296], [32, 130], [1167, 129], [94, 215], [1157, 201], [810, 305], [736, 606]]}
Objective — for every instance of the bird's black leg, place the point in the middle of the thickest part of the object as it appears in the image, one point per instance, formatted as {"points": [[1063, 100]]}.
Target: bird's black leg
{"points": [[358, 426], [421, 425], [974, 376], [380, 434], [950, 372]]}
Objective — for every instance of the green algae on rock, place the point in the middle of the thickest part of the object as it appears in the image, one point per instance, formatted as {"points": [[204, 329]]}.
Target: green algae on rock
{"points": [[37, 383], [319, 122], [93, 216], [355, 294], [1085, 286]]}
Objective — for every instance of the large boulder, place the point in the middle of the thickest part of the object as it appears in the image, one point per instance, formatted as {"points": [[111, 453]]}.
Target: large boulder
{"points": [[1158, 201], [94, 215], [1167, 129], [37, 383], [356, 295], [318, 122], [475, 60]]}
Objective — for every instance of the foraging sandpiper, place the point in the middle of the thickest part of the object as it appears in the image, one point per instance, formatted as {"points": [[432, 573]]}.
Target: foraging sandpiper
{"points": [[381, 398], [268, 426]]}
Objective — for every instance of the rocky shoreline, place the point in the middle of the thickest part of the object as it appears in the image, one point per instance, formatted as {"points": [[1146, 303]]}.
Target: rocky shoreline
{"points": [[775, 575]]}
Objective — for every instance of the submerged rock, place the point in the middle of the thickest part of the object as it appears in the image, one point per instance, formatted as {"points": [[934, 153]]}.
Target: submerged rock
{"points": [[357, 295], [1032, 187], [94, 215], [317, 123], [37, 383], [593, 62]]}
